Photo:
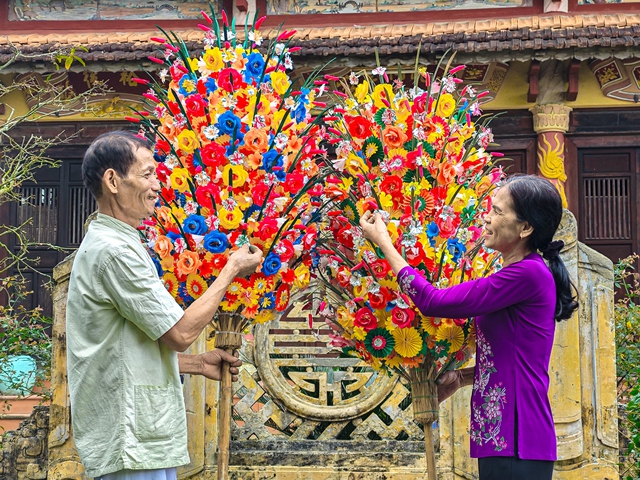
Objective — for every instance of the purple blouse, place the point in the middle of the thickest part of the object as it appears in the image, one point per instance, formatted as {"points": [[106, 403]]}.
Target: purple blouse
{"points": [[513, 310]]}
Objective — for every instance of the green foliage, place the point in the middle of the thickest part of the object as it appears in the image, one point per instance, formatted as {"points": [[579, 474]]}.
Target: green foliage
{"points": [[23, 332], [627, 331], [67, 58], [632, 421]]}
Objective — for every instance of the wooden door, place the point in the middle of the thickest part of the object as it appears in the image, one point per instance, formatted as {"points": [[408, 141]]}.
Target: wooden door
{"points": [[608, 212], [57, 204]]}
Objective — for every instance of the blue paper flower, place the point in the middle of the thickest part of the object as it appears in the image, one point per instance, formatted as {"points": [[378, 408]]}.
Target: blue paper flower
{"points": [[273, 159], [215, 242], [271, 264], [456, 248], [156, 263], [254, 67], [195, 225], [211, 85], [173, 236], [432, 232], [228, 123], [268, 301]]}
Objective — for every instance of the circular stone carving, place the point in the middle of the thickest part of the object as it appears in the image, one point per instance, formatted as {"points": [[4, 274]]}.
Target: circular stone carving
{"points": [[301, 372]]}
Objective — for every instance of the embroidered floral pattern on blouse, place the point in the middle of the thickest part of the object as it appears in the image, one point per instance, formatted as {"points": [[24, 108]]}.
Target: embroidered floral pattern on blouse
{"points": [[487, 418], [405, 283]]}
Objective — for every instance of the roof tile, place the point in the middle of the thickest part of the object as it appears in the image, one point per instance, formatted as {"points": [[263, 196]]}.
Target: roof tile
{"points": [[360, 31], [340, 32], [519, 33]]}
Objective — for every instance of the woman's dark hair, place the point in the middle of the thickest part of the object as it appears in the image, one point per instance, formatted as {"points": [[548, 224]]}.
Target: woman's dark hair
{"points": [[115, 150], [536, 201]]}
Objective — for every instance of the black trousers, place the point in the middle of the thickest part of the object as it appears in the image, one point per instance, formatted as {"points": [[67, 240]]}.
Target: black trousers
{"points": [[514, 468]]}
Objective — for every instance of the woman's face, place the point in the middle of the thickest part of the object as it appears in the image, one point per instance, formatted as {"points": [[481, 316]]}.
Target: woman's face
{"points": [[503, 231]]}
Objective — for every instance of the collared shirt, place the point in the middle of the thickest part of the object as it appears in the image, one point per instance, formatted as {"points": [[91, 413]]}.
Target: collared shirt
{"points": [[127, 404], [514, 316]]}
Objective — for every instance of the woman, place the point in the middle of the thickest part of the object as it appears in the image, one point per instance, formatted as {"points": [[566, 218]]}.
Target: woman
{"points": [[515, 309]]}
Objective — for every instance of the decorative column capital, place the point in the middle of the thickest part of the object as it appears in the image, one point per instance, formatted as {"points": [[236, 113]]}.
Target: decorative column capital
{"points": [[550, 118]]}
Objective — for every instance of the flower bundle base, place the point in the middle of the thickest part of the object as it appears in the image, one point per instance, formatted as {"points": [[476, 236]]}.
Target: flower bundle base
{"points": [[228, 337], [424, 394]]}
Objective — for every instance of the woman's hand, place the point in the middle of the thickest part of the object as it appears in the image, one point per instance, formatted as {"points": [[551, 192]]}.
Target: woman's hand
{"points": [[374, 229], [450, 382]]}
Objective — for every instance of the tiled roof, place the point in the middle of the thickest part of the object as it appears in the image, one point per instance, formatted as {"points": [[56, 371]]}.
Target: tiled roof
{"points": [[487, 35]]}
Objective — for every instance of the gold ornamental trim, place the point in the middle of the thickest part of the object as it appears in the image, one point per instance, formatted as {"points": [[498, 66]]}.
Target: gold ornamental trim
{"points": [[550, 118]]}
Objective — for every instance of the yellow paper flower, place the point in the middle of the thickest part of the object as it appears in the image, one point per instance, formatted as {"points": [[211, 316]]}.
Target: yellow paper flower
{"points": [[446, 105], [344, 318], [187, 141], [229, 306], [359, 333], [280, 82], [303, 276], [386, 201], [178, 213], [196, 286], [429, 324], [452, 334], [170, 283], [179, 178], [362, 90], [213, 59], [229, 219], [408, 341], [249, 297], [239, 175], [235, 288], [265, 316], [378, 94], [394, 361], [188, 86], [355, 165]]}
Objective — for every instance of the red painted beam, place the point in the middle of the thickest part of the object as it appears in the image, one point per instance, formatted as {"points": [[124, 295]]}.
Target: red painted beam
{"points": [[574, 77]]}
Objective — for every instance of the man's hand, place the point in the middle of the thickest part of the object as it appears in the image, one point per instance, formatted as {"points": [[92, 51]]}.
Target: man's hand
{"points": [[374, 229], [212, 364], [244, 261]]}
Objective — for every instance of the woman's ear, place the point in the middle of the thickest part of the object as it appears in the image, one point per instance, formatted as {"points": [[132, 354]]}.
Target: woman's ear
{"points": [[110, 180], [527, 230]]}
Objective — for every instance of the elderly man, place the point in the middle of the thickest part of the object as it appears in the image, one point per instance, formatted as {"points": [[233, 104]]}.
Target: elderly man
{"points": [[124, 329]]}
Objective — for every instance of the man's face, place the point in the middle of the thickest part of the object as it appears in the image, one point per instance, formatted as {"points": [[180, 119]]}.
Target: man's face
{"points": [[138, 191]]}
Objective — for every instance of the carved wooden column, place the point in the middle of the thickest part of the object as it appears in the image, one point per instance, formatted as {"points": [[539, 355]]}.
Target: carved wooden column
{"points": [[551, 122]]}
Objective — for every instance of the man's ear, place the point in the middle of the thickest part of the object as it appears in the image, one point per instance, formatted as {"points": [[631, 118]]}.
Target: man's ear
{"points": [[111, 180]]}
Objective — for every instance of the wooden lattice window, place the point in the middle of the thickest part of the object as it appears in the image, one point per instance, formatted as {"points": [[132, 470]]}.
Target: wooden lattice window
{"points": [[81, 205], [40, 204], [607, 208]]}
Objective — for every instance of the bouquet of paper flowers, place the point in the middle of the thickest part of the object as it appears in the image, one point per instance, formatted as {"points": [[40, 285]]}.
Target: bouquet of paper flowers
{"points": [[416, 156], [236, 148]]}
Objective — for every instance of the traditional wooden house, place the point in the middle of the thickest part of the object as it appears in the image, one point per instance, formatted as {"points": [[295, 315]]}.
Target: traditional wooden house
{"points": [[566, 74]]}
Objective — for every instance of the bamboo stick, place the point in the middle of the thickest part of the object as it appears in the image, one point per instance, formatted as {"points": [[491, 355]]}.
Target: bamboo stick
{"points": [[229, 338], [224, 420], [430, 451], [424, 394]]}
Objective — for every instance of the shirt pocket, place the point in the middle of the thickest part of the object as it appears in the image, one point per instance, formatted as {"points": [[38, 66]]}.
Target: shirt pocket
{"points": [[156, 410]]}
